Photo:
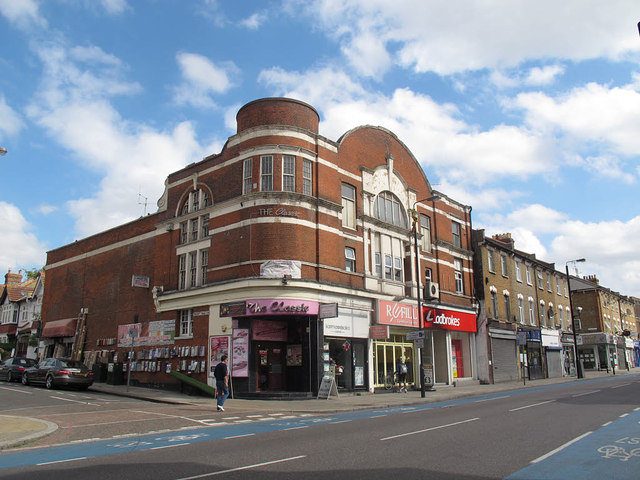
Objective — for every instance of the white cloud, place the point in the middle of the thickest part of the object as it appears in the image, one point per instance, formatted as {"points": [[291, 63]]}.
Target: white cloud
{"points": [[114, 6], [202, 78], [254, 21], [45, 209], [22, 13], [18, 247], [436, 37], [589, 115], [10, 121], [543, 75]]}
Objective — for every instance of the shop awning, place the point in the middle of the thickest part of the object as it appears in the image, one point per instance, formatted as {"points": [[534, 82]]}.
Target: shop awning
{"points": [[8, 328], [60, 328]]}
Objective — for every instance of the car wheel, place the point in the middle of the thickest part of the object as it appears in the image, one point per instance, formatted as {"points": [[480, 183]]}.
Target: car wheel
{"points": [[9, 376], [49, 382], [25, 379]]}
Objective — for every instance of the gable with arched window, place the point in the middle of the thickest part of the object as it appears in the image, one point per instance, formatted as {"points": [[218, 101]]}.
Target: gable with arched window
{"points": [[388, 208]]}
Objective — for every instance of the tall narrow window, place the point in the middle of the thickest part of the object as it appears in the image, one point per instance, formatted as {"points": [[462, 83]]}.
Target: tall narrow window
{"points": [[560, 318], [307, 177], [204, 225], [543, 315], [548, 281], [183, 232], [427, 274], [247, 168], [456, 230], [388, 267], [491, 261], [206, 201], [182, 272], [378, 264], [350, 259], [397, 269], [288, 173], [193, 269], [532, 314], [521, 309], [503, 264], [195, 200], [507, 308], [494, 304], [204, 265], [348, 206], [518, 271], [186, 323], [528, 274], [266, 173], [457, 266], [425, 230], [194, 229]]}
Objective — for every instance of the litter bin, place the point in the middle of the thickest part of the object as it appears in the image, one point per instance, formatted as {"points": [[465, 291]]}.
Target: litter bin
{"points": [[115, 375], [99, 372]]}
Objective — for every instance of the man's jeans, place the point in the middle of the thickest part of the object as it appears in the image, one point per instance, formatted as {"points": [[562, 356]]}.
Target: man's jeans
{"points": [[222, 392]]}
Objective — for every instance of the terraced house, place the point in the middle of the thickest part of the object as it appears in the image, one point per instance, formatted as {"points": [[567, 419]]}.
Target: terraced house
{"points": [[524, 323], [297, 255]]}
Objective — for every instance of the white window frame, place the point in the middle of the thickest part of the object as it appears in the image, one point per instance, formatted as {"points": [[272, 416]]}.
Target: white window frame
{"points": [[529, 278], [193, 269], [266, 173], [459, 281], [186, 323], [521, 309], [504, 266], [288, 173], [425, 231], [491, 261], [519, 271], [182, 272], [456, 234], [532, 313], [307, 177], [350, 259], [247, 176], [204, 265], [348, 206]]}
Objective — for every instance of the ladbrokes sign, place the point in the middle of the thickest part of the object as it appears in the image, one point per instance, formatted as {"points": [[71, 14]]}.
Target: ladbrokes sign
{"points": [[449, 320]]}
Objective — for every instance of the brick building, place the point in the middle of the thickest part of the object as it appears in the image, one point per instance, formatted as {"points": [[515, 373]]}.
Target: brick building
{"points": [[251, 247], [525, 315]]}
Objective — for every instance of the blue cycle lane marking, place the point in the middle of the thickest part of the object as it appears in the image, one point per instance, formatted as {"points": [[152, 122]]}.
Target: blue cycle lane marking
{"points": [[612, 451], [63, 453]]}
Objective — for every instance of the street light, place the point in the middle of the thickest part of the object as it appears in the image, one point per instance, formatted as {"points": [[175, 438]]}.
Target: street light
{"points": [[573, 319], [3, 151], [414, 215]]}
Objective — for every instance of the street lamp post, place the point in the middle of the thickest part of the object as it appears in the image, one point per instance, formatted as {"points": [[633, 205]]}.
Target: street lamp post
{"points": [[573, 319], [415, 217]]}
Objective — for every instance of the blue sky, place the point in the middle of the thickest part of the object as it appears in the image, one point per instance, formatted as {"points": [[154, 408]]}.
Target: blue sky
{"points": [[527, 111]]}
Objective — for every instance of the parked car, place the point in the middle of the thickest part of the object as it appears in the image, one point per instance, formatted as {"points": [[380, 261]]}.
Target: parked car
{"points": [[59, 372], [12, 368]]}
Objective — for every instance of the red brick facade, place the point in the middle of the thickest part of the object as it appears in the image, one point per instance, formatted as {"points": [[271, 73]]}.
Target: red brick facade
{"points": [[274, 192]]}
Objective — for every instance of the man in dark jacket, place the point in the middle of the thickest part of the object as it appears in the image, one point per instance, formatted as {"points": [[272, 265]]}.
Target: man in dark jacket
{"points": [[221, 373]]}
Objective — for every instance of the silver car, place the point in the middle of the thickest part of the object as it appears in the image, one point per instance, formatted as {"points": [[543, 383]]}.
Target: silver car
{"points": [[59, 372]]}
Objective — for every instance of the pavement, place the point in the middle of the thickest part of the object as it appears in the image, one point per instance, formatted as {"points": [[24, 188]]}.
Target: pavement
{"points": [[17, 430]]}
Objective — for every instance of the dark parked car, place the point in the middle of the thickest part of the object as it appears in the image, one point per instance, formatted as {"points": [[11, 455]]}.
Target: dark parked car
{"points": [[59, 372], [13, 368]]}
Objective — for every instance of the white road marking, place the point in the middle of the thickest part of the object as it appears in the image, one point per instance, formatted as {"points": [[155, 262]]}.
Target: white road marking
{"points": [[296, 428], [532, 405], [585, 393], [17, 390], [239, 436], [239, 469], [169, 446], [430, 429], [62, 461], [622, 385], [487, 399], [561, 447], [74, 401]]}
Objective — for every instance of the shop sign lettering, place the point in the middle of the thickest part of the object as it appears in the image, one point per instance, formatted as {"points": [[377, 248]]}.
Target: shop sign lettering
{"points": [[449, 320], [277, 212], [274, 307], [400, 314]]}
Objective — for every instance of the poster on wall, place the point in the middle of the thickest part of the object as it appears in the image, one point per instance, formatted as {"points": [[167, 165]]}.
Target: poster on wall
{"points": [[161, 332], [294, 355], [270, 330], [240, 357], [218, 346]]}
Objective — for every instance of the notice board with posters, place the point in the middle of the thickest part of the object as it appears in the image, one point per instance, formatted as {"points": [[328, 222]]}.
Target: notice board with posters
{"points": [[218, 346]]}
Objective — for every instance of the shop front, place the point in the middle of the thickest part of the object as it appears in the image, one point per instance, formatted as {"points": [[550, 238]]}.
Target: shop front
{"points": [[453, 342], [345, 344], [271, 345], [553, 352], [534, 359]]}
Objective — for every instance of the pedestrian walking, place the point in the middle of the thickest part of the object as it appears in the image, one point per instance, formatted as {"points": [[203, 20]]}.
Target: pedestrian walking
{"points": [[401, 371], [221, 373]]}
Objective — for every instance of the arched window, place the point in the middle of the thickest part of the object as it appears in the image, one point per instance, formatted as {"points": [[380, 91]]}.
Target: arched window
{"points": [[388, 209]]}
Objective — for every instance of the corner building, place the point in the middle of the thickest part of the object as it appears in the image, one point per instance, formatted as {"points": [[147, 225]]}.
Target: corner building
{"points": [[251, 251]]}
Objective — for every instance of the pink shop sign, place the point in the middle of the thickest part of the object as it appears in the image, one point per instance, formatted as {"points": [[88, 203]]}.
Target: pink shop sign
{"points": [[272, 306]]}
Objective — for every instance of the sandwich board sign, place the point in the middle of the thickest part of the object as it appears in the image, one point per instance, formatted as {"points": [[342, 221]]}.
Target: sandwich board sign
{"points": [[327, 387]]}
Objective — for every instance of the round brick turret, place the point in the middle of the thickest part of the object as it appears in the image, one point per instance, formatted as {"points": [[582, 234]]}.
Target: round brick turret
{"points": [[278, 111]]}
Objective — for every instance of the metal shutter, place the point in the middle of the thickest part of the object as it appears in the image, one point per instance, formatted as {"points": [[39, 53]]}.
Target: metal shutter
{"points": [[504, 360]]}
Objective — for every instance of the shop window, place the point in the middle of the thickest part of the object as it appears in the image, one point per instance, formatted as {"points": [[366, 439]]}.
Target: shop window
{"points": [[288, 173], [350, 256], [307, 177], [247, 178], [266, 173], [348, 206]]}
